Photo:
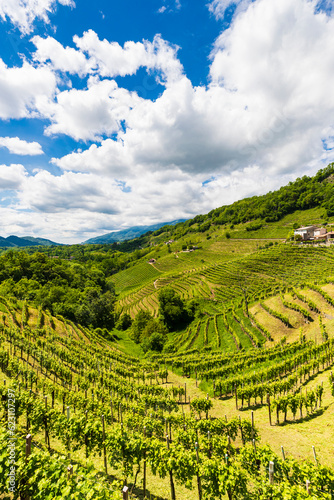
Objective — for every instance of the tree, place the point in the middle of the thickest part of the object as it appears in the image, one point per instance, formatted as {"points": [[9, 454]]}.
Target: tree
{"points": [[152, 327], [155, 342], [171, 308], [138, 325], [124, 322]]}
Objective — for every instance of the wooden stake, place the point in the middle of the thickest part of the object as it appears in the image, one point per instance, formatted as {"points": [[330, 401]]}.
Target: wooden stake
{"points": [[68, 440], [144, 478], [125, 492], [283, 453], [28, 446], [268, 402], [242, 434], [70, 472], [46, 434], [199, 485], [104, 444], [111, 410], [271, 472], [254, 446], [172, 488], [315, 456], [308, 484]]}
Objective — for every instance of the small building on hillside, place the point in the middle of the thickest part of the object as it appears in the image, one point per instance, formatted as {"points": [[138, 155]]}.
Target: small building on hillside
{"points": [[330, 236], [320, 233], [314, 233], [307, 232]]}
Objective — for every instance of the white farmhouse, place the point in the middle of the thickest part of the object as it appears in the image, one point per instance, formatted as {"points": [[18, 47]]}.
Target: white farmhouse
{"points": [[307, 232]]}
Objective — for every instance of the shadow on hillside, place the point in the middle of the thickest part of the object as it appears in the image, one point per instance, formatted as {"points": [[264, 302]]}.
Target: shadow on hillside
{"points": [[139, 493], [223, 398], [114, 338], [252, 406], [306, 418]]}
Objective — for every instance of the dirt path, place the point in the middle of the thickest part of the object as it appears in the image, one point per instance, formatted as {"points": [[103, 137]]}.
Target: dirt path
{"points": [[152, 264]]}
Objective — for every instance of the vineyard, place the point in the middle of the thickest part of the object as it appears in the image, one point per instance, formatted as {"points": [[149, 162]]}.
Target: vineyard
{"points": [[92, 422], [283, 315], [216, 281], [240, 408]]}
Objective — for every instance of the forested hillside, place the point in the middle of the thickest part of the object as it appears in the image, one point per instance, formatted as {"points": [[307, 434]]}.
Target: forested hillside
{"points": [[302, 194]]}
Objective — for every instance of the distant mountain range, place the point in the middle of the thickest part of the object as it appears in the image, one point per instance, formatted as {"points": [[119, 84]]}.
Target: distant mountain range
{"points": [[130, 233], [26, 241], [126, 234]]}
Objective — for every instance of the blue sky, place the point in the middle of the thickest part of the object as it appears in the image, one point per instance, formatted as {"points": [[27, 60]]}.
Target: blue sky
{"points": [[115, 114]]}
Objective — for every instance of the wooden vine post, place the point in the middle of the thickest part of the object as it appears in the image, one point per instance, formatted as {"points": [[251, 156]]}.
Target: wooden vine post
{"points": [[125, 492], [46, 432], [104, 444], [68, 439], [172, 487], [254, 446], [144, 472], [283, 453], [111, 409], [86, 435], [271, 472], [28, 453], [315, 456], [269, 410], [199, 485], [308, 484], [70, 472], [241, 431], [28, 446]]}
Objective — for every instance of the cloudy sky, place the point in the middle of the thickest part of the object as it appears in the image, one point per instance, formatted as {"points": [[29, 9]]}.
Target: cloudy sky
{"points": [[115, 114]]}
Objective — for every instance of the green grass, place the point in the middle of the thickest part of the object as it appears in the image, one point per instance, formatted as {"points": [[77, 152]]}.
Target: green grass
{"points": [[124, 343], [135, 276]]}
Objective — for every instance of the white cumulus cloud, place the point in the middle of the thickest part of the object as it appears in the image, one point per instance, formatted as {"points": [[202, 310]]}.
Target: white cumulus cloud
{"points": [[90, 113], [111, 59], [22, 13], [25, 90], [65, 59], [12, 176], [219, 7], [17, 146]]}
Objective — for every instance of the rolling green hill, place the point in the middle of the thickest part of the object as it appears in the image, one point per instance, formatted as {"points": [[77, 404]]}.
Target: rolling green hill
{"points": [[26, 241], [241, 379]]}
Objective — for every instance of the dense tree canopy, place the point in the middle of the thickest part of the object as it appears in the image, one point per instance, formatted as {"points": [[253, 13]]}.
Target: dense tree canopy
{"points": [[78, 292], [175, 312], [149, 331]]}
